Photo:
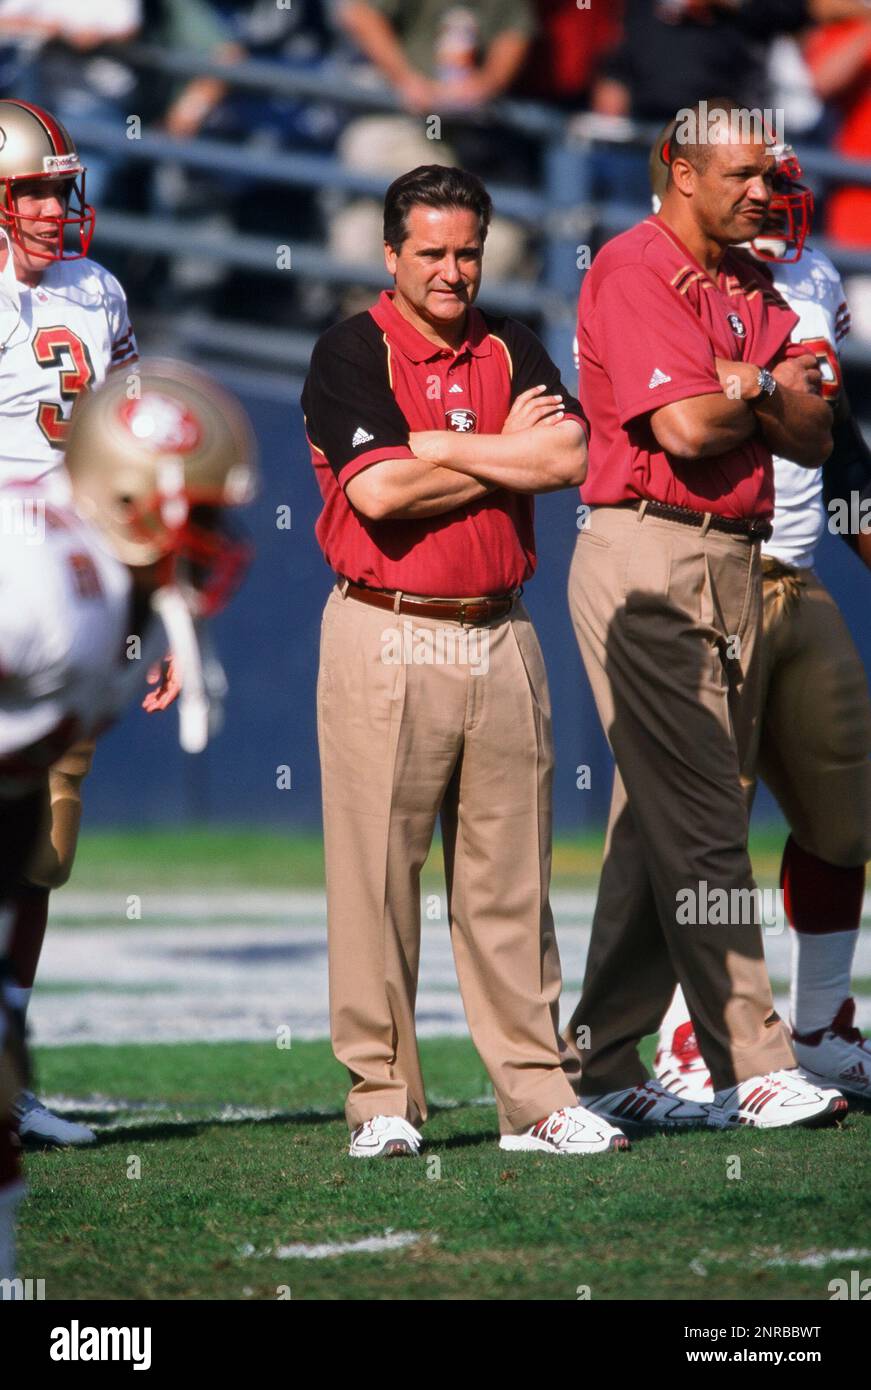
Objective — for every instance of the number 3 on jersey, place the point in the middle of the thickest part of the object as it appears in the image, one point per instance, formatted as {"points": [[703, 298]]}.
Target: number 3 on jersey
{"points": [[61, 347]]}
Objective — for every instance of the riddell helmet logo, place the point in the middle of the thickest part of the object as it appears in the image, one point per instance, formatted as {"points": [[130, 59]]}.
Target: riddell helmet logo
{"points": [[737, 326], [161, 423], [463, 421], [61, 163]]}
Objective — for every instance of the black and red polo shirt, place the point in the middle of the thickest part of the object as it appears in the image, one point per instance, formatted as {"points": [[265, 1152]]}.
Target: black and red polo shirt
{"points": [[372, 380]]}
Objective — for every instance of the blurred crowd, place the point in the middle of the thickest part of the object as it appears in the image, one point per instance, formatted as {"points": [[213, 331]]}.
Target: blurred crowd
{"points": [[601, 63]]}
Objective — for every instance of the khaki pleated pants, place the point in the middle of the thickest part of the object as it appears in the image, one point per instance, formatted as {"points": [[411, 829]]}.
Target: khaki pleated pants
{"points": [[405, 737], [668, 622]]}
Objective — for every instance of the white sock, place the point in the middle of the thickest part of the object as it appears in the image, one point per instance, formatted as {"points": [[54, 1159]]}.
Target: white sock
{"points": [[820, 978], [676, 1014]]}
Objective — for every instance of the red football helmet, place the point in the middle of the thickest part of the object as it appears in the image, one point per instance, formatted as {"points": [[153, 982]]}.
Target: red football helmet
{"points": [[36, 149], [790, 213]]}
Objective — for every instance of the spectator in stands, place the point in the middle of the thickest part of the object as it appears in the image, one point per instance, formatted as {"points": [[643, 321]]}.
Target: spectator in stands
{"points": [[438, 55], [439, 58], [192, 26], [300, 37], [567, 51], [53, 54], [674, 49], [839, 57]]}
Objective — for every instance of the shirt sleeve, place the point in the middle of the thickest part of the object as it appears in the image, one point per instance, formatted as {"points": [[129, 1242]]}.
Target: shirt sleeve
{"points": [[351, 413], [123, 348], [649, 341], [532, 366]]}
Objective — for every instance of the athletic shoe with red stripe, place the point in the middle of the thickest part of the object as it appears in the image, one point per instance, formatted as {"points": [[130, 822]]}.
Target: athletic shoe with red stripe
{"points": [[838, 1055], [570, 1131], [682, 1069], [647, 1106], [774, 1101]]}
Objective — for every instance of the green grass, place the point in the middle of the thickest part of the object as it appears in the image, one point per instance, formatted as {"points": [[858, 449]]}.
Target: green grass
{"points": [[263, 858], [664, 1221]]}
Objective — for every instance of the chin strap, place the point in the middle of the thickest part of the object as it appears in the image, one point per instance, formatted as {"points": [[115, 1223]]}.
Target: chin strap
{"points": [[203, 682]]}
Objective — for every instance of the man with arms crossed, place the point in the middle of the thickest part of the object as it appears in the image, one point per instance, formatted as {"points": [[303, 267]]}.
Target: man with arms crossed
{"points": [[815, 729], [431, 425], [688, 391]]}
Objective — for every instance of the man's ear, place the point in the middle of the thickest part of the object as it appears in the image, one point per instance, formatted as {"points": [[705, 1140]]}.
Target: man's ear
{"points": [[683, 175], [390, 258]]}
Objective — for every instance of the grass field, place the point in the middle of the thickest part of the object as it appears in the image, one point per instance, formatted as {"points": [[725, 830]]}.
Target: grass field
{"points": [[264, 858], [242, 1151]]}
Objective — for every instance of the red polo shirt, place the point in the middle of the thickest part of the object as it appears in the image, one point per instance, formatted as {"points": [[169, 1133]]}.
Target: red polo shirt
{"points": [[372, 380], [650, 324]]}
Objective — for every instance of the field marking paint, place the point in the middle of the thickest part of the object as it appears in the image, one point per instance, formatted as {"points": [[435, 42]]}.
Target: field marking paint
{"points": [[329, 1250], [236, 967]]}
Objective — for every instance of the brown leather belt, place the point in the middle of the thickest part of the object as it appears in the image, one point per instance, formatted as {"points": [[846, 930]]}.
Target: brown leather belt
{"points": [[755, 527], [455, 610]]}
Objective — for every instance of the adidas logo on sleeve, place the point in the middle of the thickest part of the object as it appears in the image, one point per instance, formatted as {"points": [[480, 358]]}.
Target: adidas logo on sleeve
{"points": [[361, 436], [658, 379]]}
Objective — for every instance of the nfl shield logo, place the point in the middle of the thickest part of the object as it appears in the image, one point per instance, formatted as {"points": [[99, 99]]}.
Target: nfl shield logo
{"points": [[463, 421], [737, 326]]}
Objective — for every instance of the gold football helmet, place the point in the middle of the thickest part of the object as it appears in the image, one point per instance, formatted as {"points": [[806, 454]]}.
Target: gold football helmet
{"points": [[155, 455], [35, 148]]}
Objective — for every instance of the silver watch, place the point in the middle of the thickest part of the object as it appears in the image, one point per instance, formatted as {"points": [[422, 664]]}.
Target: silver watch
{"points": [[766, 382]]}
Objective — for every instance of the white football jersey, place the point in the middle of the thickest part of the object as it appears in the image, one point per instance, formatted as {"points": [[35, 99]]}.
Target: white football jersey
{"points": [[56, 339], [812, 288], [65, 619]]}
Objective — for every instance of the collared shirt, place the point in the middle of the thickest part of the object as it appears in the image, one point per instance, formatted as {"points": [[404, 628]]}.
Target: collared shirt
{"points": [[650, 324], [372, 381]]}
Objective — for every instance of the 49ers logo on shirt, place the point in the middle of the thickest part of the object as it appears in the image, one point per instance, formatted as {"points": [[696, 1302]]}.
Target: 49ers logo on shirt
{"points": [[462, 420], [51, 348], [737, 326]]}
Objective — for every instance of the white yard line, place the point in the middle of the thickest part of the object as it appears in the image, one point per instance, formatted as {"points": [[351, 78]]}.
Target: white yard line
{"points": [[246, 966]]}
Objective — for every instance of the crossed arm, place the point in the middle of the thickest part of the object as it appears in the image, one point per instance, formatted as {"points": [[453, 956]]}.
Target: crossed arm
{"points": [[795, 422], [537, 451]]}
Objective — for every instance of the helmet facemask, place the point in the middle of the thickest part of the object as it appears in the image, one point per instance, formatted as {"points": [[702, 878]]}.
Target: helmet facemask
{"points": [[79, 214], [206, 553], [790, 213]]}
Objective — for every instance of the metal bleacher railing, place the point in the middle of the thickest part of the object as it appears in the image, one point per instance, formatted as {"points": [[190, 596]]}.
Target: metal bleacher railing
{"points": [[561, 213]]}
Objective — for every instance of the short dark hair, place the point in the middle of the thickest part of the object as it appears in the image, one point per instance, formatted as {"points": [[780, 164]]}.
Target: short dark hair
{"points": [[700, 120], [434, 186]]}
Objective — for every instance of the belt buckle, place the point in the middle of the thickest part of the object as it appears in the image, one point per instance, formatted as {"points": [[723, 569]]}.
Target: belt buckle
{"points": [[465, 613]]}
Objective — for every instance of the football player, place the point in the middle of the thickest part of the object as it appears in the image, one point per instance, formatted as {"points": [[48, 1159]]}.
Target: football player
{"points": [[815, 724], [63, 327], [150, 475]]}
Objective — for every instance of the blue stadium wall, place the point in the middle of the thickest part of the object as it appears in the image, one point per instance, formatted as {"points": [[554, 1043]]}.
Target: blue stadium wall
{"points": [[268, 640]]}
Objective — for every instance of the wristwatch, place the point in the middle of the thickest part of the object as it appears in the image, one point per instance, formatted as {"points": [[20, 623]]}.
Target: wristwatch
{"points": [[766, 383]]}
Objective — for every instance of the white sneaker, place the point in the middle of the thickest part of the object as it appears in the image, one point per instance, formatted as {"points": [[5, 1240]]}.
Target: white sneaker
{"points": [[773, 1101], [39, 1128], [570, 1131], [648, 1106], [838, 1055], [385, 1136], [682, 1069]]}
